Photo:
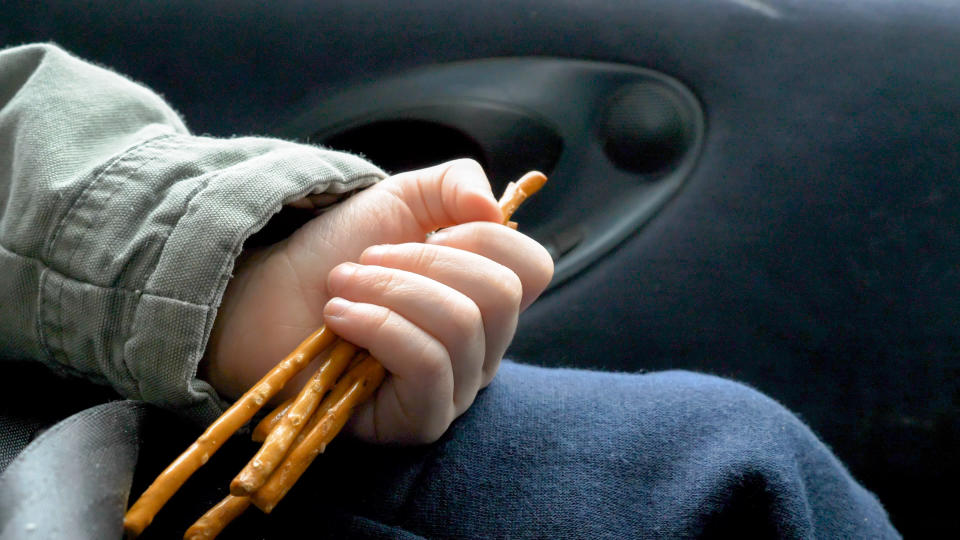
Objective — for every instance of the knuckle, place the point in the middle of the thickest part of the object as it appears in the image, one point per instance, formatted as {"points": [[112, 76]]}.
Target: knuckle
{"points": [[544, 262], [374, 282], [489, 372], [464, 400], [434, 364], [422, 256], [383, 279], [467, 163], [380, 319], [431, 432], [427, 435], [465, 315], [508, 286]]}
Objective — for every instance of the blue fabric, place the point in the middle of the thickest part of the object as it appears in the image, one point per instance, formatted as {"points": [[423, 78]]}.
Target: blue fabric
{"points": [[550, 453]]}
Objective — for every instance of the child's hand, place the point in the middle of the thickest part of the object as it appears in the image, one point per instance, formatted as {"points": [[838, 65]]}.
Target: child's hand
{"points": [[438, 313]]}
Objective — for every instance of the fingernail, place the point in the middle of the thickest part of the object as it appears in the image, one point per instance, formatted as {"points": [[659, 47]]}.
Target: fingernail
{"points": [[336, 306], [373, 254], [438, 237], [340, 274]]}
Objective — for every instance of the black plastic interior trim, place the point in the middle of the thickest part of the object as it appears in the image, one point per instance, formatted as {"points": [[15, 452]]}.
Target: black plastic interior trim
{"points": [[521, 112], [506, 141]]}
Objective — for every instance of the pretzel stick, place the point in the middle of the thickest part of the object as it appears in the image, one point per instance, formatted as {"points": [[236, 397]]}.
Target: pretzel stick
{"points": [[343, 385], [217, 518], [269, 421], [367, 378], [333, 398], [275, 447], [517, 192], [152, 500]]}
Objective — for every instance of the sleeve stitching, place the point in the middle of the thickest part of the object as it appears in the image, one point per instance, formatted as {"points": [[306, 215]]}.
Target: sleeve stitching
{"points": [[49, 357], [38, 316], [85, 193], [128, 334]]}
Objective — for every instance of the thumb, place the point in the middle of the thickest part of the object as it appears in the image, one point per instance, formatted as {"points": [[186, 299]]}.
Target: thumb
{"points": [[445, 195], [402, 208]]}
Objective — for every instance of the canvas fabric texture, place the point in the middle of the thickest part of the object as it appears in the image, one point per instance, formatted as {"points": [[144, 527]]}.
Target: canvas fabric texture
{"points": [[119, 229]]}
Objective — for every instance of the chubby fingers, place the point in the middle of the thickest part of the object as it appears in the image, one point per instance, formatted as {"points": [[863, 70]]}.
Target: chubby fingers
{"points": [[499, 269], [443, 312], [439, 316], [415, 404], [494, 289], [521, 254]]}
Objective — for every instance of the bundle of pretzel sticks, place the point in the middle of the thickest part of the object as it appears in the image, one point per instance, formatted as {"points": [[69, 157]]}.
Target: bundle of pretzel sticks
{"points": [[294, 433]]}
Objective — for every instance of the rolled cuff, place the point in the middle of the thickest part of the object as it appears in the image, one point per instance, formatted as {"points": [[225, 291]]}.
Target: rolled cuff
{"points": [[141, 261]]}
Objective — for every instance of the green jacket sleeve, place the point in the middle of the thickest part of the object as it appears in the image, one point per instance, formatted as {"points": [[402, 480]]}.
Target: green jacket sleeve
{"points": [[119, 229]]}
